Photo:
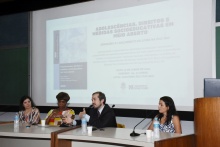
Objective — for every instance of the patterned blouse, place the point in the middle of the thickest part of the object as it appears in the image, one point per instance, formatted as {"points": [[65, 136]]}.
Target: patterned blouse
{"points": [[167, 128], [57, 121], [31, 118]]}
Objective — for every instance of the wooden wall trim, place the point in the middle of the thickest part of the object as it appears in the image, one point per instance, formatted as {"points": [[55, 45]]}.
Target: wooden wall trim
{"points": [[183, 141]]}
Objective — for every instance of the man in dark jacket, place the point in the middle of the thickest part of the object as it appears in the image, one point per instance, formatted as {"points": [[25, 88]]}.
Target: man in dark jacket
{"points": [[101, 115]]}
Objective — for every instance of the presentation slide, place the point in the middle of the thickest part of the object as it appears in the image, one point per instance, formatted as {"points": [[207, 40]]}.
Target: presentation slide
{"points": [[134, 51], [134, 55]]}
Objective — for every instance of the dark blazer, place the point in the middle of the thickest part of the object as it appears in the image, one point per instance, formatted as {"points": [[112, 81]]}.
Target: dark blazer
{"points": [[106, 119]]}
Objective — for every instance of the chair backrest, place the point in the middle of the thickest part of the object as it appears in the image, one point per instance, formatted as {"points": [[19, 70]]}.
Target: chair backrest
{"points": [[120, 125]]}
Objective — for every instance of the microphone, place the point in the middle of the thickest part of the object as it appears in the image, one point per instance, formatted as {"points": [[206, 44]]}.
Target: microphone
{"points": [[133, 134], [91, 106], [3, 113]]}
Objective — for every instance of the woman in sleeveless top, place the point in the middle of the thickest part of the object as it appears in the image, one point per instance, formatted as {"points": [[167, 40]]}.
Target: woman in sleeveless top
{"points": [[28, 113], [168, 117]]}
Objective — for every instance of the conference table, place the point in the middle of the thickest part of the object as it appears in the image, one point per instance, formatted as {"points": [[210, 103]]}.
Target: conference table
{"points": [[49, 136], [22, 136], [121, 137]]}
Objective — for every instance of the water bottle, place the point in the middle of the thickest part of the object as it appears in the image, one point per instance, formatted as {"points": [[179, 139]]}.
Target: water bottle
{"points": [[16, 120], [156, 128], [84, 125]]}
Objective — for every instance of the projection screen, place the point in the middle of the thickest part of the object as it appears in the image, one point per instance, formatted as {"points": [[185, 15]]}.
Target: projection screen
{"points": [[135, 51]]}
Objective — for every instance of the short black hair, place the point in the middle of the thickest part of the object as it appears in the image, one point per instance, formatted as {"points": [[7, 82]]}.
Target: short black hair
{"points": [[63, 96]]}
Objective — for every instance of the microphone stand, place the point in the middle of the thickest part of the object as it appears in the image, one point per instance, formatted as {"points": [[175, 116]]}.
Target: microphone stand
{"points": [[133, 134]]}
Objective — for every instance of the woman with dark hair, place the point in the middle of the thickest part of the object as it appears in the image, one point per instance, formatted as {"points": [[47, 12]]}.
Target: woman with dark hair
{"points": [[28, 113], [168, 117], [57, 116]]}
